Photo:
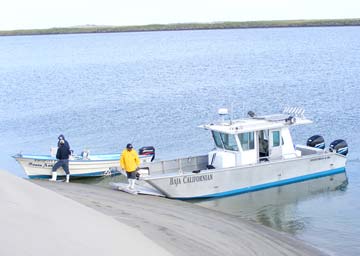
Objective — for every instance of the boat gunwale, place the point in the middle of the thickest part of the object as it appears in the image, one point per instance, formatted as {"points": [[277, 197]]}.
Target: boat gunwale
{"points": [[70, 160], [116, 157]]}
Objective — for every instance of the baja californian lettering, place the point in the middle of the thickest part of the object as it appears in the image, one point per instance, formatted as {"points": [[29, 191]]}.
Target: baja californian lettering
{"points": [[175, 181], [190, 179], [200, 178]]}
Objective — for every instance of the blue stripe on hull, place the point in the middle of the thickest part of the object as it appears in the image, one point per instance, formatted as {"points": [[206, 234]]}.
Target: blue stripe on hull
{"points": [[271, 184]]}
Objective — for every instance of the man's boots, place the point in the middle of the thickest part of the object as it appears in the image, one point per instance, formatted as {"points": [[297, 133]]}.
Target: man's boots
{"points": [[67, 178], [132, 184], [54, 176]]}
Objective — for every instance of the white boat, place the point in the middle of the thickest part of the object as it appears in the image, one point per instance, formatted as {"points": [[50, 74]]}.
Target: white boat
{"points": [[250, 154], [80, 166]]}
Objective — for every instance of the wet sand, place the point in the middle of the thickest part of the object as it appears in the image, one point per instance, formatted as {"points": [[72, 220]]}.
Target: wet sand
{"points": [[182, 228]]}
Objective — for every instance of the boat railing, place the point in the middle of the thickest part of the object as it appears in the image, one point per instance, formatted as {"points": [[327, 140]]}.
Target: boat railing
{"points": [[300, 151], [306, 150], [180, 165]]}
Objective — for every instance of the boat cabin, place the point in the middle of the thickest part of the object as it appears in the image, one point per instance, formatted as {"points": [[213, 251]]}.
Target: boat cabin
{"points": [[254, 139]]}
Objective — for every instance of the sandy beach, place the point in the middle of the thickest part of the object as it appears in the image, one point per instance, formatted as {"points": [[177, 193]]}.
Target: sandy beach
{"points": [[38, 221], [46, 218]]}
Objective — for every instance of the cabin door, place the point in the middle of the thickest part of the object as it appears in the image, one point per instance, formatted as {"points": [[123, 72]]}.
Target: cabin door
{"points": [[263, 144], [275, 149]]}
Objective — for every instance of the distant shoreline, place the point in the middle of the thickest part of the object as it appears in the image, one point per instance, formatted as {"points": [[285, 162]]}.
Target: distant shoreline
{"points": [[185, 26]]}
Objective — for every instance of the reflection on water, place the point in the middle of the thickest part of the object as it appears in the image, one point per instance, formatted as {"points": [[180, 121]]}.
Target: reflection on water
{"points": [[277, 207], [152, 88]]}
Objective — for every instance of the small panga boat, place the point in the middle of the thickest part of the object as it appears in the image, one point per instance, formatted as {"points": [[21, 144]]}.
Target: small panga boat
{"points": [[80, 166]]}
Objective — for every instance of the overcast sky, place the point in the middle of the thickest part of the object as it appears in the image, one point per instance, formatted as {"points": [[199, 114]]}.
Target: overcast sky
{"points": [[25, 14]]}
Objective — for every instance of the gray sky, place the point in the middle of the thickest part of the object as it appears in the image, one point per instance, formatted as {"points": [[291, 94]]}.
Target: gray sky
{"points": [[25, 14]]}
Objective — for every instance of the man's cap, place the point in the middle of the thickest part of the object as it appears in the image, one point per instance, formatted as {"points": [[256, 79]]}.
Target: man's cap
{"points": [[62, 142], [129, 146], [61, 137]]}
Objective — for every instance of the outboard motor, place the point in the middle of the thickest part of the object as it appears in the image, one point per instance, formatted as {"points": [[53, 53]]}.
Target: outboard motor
{"points": [[339, 146], [147, 151], [316, 141], [251, 113]]}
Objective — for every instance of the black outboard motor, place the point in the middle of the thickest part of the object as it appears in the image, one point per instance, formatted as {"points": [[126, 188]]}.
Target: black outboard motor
{"points": [[147, 151], [316, 141], [251, 113], [339, 146]]}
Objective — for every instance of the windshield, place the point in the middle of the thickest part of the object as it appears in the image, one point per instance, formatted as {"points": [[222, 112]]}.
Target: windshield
{"points": [[226, 141]]}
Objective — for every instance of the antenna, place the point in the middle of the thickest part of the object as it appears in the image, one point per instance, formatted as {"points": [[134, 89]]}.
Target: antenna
{"points": [[223, 112]]}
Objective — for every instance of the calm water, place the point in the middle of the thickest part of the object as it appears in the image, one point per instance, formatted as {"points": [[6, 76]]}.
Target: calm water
{"points": [[154, 88]]}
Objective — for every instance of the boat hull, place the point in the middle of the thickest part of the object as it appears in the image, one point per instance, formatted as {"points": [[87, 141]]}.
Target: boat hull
{"points": [[37, 169], [231, 181]]}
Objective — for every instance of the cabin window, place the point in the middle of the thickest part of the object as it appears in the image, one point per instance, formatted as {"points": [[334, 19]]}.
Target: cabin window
{"points": [[247, 140], [229, 141], [276, 138], [226, 141], [217, 139]]}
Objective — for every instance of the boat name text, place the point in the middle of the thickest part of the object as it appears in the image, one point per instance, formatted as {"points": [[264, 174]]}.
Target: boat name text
{"points": [[43, 164], [320, 158], [190, 179]]}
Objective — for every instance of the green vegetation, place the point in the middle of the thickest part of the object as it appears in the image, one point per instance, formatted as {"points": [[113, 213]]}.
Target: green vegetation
{"points": [[185, 26]]}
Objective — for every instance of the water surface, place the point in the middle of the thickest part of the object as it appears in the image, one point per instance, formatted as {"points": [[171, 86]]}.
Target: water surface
{"points": [[154, 88]]}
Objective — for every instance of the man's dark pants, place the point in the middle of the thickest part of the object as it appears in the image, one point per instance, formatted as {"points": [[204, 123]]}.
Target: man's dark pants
{"points": [[64, 163]]}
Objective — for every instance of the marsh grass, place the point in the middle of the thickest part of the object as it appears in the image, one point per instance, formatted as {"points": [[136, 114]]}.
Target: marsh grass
{"points": [[185, 26]]}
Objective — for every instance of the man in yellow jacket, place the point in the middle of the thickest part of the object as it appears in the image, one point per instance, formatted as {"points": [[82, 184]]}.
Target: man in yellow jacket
{"points": [[129, 161]]}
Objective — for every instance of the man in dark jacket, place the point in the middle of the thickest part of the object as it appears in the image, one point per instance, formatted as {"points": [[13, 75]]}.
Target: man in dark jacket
{"points": [[62, 137], [62, 155]]}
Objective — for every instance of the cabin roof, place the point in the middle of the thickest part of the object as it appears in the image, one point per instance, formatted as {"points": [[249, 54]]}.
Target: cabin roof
{"points": [[256, 123]]}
